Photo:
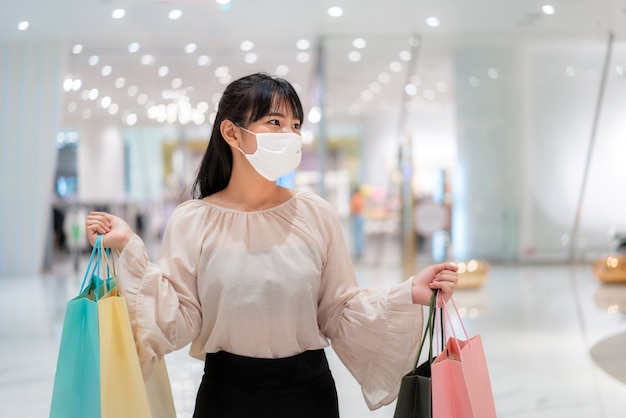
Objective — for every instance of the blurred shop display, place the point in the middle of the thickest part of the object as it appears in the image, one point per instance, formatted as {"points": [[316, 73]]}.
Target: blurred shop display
{"points": [[612, 268], [472, 273]]}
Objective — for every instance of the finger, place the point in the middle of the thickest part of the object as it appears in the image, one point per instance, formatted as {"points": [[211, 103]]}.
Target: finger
{"points": [[446, 276]]}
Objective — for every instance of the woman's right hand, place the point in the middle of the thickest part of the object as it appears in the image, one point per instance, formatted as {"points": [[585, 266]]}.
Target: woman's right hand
{"points": [[116, 231]]}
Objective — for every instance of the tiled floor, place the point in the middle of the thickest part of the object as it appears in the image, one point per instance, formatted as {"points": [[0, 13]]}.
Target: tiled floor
{"points": [[554, 338]]}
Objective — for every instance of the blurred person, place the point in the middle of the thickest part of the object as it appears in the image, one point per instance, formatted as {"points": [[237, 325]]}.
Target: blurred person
{"points": [[259, 279], [357, 205]]}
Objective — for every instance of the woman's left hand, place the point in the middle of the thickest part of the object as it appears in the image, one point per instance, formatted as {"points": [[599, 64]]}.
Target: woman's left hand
{"points": [[437, 276]]}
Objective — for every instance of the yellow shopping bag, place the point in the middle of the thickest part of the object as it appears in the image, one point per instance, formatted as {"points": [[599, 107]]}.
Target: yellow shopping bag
{"points": [[123, 392], [122, 389]]}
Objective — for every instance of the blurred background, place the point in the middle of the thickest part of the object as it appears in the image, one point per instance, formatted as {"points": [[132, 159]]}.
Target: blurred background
{"points": [[487, 132], [498, 122]]}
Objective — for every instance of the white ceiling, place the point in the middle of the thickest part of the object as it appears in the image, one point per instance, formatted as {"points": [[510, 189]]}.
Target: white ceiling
{"points": [[274, 26]]}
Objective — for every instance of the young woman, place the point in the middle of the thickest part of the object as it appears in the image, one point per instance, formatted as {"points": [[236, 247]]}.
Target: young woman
{"points": [[259, 279]]}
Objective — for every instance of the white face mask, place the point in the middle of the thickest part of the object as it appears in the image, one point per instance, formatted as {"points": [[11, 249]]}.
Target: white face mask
{"points": [[276, 153]]}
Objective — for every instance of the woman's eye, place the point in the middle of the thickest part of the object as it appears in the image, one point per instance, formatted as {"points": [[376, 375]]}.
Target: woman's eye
{"points": [[274, 122], [295, 126]]}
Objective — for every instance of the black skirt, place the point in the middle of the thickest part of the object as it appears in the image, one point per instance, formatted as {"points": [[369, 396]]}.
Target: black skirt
{"points": [[294, 387]]}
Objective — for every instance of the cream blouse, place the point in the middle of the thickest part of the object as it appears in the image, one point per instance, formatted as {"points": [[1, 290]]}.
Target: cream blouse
{"points": [[270, 283]]}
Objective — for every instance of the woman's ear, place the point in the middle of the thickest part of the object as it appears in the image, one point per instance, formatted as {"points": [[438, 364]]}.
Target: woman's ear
{"points": [[230, 133]]}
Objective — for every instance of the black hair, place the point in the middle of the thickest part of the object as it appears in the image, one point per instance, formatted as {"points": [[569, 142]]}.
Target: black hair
{"points": [[244, 101]]}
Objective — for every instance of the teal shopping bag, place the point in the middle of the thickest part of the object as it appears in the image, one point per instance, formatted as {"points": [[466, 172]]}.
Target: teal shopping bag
{"points": [[76, 390]]}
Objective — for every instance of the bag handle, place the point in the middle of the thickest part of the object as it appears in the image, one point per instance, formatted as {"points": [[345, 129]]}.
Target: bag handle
{"points": [[109, 261], [95, 250], [449, 322], [429, 331]]}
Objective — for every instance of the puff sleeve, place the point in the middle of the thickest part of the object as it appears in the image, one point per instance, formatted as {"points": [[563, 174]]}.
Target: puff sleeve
{"points": [[162, 299], [375, 332]]}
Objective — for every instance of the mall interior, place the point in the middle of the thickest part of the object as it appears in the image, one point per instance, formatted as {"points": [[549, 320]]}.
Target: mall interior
{"points": [[489, 133]]}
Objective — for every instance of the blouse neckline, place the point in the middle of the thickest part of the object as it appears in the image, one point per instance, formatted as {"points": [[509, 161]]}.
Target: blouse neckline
{"points": [[250, 212]]}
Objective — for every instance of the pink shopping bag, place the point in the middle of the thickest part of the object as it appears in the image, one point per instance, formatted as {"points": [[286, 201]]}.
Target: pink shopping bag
{"points": [[461, 387]]}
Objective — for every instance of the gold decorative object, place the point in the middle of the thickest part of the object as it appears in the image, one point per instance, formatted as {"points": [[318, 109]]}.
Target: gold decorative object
{"points": [[472, 273], [611, 269]]}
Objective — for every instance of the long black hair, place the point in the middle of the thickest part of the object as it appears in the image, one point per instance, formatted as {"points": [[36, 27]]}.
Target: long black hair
{"points": [[244, 101]]}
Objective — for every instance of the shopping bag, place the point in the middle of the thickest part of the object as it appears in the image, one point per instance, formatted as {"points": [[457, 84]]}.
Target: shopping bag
{"points": [[124, 394], [160, 392], [461, 387], [76, 388], [414, 397]]}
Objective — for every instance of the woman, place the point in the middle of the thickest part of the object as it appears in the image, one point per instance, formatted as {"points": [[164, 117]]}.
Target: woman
{"points": [[259, 279]]}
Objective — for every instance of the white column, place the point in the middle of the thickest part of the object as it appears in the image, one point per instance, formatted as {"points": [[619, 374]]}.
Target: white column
{"points": [[101, 164], [488, 177], [31, 77]]}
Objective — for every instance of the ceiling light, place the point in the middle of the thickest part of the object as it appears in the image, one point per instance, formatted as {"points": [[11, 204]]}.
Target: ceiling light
{"points": [[354, 56], [119, 82], [367, 96], [429, 94], [204, 60], [395, 66], [132, 91], [162, 71], [222, 1], [133, 47], [198, 118], [619, 70], [303, 44], [335, 11], [315, 115], [76, 84], [410, 89], [77, 49], [547, 9], [67, 84], [303, 57], [414, 42], [225, 79], [175, 14], [246, 45], [106, 70], [131, 119], [251, 58], [23, 25], [282, 70], [359, 43], [118, 13], [493, 73], [93, 60], [221, 71], [202, 106], [384, 78], [190, 48], [113, 108], [93, 94], [177, 83], [405, 55], [142, 99], [147, 59], [105, 102], [432, 22]]}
